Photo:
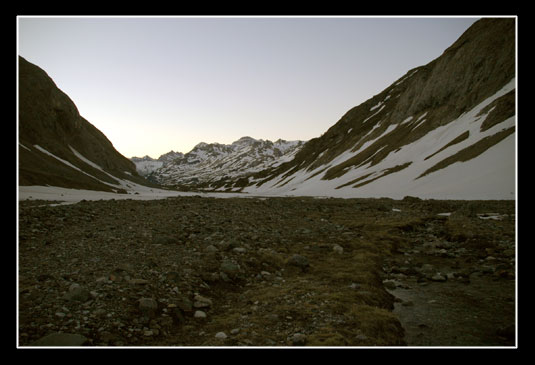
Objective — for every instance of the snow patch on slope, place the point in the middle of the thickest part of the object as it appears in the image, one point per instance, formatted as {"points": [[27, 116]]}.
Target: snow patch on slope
{"points": [[490, 175]]}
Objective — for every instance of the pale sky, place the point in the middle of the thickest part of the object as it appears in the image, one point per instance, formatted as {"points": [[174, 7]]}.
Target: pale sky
{"points": [[156, 84]]}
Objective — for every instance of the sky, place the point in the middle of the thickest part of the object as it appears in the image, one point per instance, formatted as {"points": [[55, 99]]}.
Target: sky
{"points": [[156, 84]]}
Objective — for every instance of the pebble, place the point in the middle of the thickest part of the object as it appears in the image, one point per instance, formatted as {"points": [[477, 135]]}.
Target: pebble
{"points": [[230, 269], [211, 249], [299, 261], [338, 249], [298, 339], [77, 293], [199, 314], [438, 277], [221, 335], [201, 302]]}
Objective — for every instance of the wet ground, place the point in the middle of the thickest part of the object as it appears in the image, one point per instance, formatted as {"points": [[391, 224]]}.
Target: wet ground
{"points": [[456, 293], [449, 314]]}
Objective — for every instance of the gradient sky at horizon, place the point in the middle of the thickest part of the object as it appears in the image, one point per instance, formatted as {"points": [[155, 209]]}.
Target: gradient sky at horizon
{"points": [[156, 84]]}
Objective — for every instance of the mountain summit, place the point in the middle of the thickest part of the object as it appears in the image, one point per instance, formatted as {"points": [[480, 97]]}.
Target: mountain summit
{"points": [[216, 166], [443, 130]]}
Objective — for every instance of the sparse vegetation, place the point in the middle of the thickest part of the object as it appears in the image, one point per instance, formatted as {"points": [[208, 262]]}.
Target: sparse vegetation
{"points": [[270, 272]]}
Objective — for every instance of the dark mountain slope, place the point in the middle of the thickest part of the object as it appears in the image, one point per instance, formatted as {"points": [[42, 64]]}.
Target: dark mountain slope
{"points": [[49, 119]]}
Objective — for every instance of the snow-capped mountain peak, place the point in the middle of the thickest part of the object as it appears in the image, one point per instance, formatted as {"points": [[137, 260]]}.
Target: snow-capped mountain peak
{"points": [[443, 130], [213, 165]]}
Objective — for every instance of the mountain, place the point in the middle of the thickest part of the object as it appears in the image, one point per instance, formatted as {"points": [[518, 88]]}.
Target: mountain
{"points": [[170, 156], [58, 147], [146, 165], [219, 166], [443, 130]]}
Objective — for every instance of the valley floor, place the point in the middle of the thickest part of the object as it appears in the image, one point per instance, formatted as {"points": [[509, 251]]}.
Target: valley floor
{"points": [[192, 271]]}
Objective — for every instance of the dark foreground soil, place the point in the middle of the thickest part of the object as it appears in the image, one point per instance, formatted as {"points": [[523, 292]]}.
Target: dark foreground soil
{"points": [[194, 271]]}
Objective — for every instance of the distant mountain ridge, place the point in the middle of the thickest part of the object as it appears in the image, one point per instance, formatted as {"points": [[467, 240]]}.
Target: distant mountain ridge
{"points": [[146, 165], [214, 166]]}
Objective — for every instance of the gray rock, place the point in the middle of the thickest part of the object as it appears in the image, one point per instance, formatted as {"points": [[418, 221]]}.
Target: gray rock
{"points": [[338, 249], [221, 335], [77, 293], [298, 339], [201, 302], [60, 339], [211, 249], [299, 261], [229, 268], [199, 314], [438, 277]]}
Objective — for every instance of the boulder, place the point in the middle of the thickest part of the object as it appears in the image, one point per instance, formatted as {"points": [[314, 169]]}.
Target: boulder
{"points": [[60, 339]]}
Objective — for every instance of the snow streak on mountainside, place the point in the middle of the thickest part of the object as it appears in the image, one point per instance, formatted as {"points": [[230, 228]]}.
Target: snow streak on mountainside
{"points": [[212, 166], [443, 130], [461, 160]]}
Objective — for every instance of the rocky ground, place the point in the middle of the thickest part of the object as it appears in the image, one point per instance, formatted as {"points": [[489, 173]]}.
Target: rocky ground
{"points": [[194, 271]]}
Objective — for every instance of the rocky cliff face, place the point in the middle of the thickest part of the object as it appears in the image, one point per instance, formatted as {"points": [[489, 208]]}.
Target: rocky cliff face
{"points": [[459, 108], [57, 146]]}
